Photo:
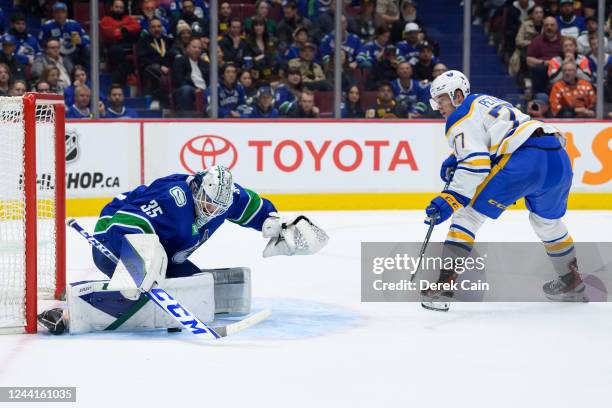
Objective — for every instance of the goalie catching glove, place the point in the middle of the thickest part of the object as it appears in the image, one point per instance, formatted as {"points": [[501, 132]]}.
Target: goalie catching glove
{"points": [[298, 237]]}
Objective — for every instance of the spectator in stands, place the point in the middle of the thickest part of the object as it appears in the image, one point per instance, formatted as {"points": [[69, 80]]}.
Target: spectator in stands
{"points": [[312, 73], [408, 92], [119, 33], [231, 94], [290, 21], [572, 97], [387, 12], [539, 106], [592, 58], [350, 43], [372, 52], [27, 45], [408, 14], [199, 27], [154, 59], [189, 73], [408, 48], [543, 48], [385, 106], [263, 107], [233, 45], [288, 92], [325, 23], [551, 8], [365, 20], [528, 30], [182, 40], [261, 56], [5, 79], [7, 56], [570, 25], [385, 69], [423, 69], [591, 31], [52, 76], [78, 77], [18, 88], [305, 106], [262, 11], [225, 17], [52, 58], [439, 69], [250, 90], [347, 74], [80, 109], [569, 53], [42, 87], [516, 13], [300, 37], [149, 12], [116, 108], [74, 42], [351, 107]]}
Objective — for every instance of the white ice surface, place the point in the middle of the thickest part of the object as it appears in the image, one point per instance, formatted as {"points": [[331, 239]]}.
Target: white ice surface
{"points": [[324, 348]]}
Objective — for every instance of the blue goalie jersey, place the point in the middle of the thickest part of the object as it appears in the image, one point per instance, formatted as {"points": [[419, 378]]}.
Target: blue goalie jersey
{"points": [[166, 208]]}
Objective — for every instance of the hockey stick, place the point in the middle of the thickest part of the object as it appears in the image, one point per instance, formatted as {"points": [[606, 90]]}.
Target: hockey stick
{"points": [[159, 296], [436, 306]]}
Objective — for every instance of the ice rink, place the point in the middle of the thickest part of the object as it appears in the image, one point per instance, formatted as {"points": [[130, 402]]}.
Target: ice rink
{"points": [[322, 347]]}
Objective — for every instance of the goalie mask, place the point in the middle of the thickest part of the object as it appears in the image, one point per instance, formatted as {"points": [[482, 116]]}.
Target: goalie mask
{"points": [[212, 192]]}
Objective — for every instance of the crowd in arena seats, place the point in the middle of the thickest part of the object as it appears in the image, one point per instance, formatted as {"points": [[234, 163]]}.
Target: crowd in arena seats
{"points": [[550, 47], [276, 57]]}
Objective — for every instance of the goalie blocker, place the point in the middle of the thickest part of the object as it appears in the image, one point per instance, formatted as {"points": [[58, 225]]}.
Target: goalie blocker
{"points": [[118, 304]]}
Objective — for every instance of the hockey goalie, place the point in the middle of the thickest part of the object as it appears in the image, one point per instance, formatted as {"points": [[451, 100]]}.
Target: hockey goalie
{"points": [[165, 222]]}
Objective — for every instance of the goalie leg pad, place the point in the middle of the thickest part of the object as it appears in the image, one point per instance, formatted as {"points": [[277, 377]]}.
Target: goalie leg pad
{"points": [[232, 290], [92, 307]]}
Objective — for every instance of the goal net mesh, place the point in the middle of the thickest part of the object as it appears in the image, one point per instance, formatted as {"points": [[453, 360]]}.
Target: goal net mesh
{"points": [[12, 208]]}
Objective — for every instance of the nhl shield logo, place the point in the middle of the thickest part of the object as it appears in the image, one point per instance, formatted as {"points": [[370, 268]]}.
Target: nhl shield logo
{"points": [[72, 146]]}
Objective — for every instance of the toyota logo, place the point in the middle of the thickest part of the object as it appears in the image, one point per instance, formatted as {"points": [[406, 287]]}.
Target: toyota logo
{"points": [[202, 152]]}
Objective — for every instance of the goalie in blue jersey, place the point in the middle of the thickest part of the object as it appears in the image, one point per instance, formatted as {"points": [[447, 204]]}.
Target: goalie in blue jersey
{"points": [[167, 221]]}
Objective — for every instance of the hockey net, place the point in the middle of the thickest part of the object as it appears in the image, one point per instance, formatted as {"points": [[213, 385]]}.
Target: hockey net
{"points": [[32, 210]]}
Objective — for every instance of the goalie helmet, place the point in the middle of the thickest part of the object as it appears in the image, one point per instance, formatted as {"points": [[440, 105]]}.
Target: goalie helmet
{"points": [[212, 192], [448, 83]]}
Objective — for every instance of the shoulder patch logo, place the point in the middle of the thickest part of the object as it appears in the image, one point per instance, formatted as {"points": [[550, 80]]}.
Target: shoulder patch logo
{"points": [[178, 195]]}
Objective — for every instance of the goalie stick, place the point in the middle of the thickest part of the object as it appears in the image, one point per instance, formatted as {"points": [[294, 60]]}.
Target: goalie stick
{"points": [[171, 306]]}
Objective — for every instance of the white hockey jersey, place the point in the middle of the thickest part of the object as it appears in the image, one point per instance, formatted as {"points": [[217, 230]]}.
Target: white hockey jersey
{"points": [[481, 129]]}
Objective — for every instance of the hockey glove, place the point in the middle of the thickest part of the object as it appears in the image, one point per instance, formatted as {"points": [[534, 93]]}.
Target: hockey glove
{"points": [[448, 166], [443, 206], [298, 237]]}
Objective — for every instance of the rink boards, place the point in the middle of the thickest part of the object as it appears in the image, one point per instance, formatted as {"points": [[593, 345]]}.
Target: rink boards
{"points": [[308, 165]]}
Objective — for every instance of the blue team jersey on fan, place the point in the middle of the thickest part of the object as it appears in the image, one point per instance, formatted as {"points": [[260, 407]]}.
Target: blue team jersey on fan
{"points": [[52, 29], [352, 45], [166, 208]]}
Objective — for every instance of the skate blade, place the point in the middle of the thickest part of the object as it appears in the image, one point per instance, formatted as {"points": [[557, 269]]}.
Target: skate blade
{"points": [[569, 297]]}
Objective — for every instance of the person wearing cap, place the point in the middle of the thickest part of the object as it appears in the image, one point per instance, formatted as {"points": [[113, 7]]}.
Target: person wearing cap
{"points": [[423, 69], [182, 39], [572, 97], [263, 108], [7, 56], [290, 21], [591, 31], [74, 41], [199, 26], [312, 73], [570, 25], [408, 14], [384, 69], [300, 37], [233, 44], [350, 43], [539, 106], [189, 73], [407, 48], [289, 91], [119, 33], [27, 45], [372, 52]]}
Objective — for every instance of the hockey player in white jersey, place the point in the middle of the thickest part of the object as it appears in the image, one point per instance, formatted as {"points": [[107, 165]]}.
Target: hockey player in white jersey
{"points": [[500, 155]]}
